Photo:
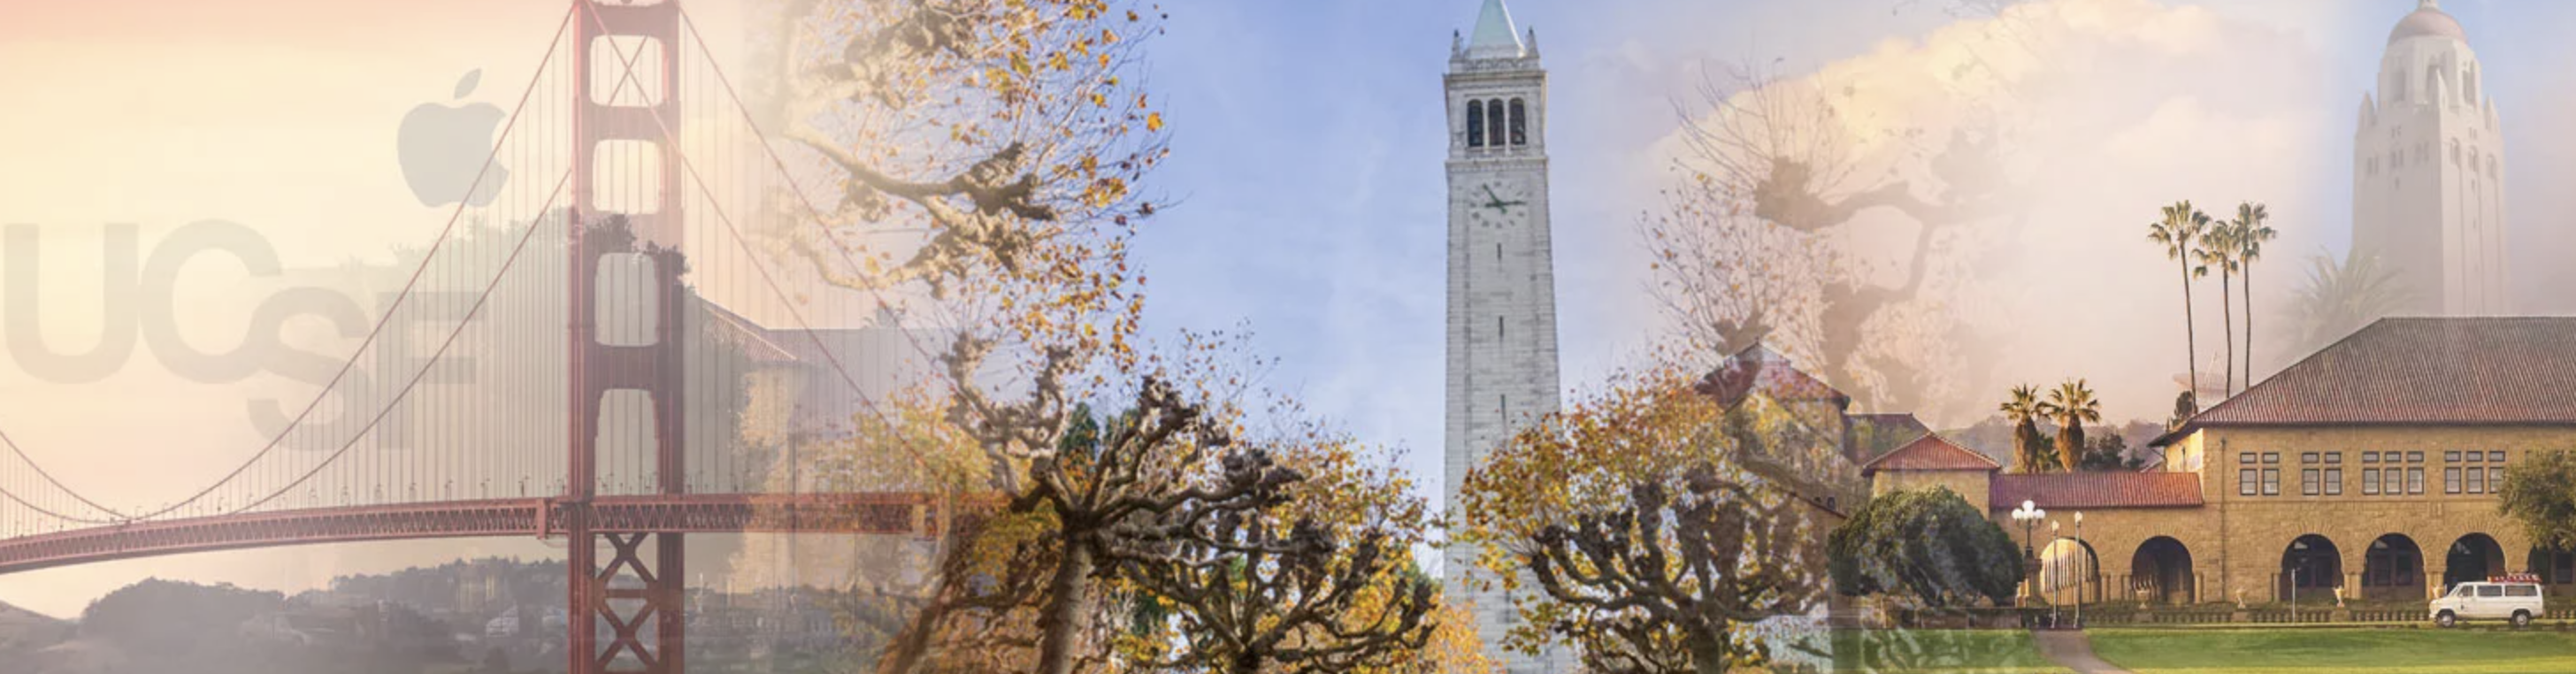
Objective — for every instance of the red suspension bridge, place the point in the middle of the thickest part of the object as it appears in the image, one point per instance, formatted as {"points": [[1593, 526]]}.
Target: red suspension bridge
{"points": [[594, 273]]}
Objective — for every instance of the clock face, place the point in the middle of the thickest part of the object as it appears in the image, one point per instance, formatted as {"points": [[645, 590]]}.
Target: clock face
{"points": [[1497, 202]]}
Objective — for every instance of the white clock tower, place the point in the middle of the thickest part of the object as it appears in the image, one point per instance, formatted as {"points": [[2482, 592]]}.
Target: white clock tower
{"points": [[1502, 289]]}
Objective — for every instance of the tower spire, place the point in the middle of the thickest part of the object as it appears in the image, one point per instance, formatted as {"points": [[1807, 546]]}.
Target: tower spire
{"points": [[1494, 36]]}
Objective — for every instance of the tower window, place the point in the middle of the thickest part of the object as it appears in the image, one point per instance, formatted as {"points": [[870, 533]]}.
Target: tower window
{"points": [[1498, 328], [1520, 127], [1494, 120], [1475, 124]]}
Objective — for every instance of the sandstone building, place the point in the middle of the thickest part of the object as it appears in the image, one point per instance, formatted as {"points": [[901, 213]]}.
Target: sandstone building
{"points": [[2368, 471]]}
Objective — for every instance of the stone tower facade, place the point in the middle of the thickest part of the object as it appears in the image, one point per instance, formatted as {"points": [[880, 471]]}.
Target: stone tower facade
{"points": [[2428, 171], [1502, 289]]}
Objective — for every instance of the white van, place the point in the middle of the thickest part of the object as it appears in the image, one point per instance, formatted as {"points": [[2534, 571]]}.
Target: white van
{"points": [[2518, 602]]}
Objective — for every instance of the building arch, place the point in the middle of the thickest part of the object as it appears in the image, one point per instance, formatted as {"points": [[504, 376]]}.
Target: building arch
{"points": [[2160, 572], [2069, 571], [1519, 125], [2470, 558], [1475, 123], [2309, 564], [2392, 568]]}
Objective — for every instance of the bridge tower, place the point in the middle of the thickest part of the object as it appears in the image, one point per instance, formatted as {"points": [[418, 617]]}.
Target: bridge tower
{"points": [[608, 39]]}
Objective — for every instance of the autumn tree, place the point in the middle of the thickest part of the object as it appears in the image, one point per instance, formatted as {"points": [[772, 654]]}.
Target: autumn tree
{"points": [[980, 162], [1318, 579], [1650, 538]]}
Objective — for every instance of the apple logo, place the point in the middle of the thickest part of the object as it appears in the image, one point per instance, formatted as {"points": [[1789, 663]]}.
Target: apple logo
{"points": [[441, 148]]}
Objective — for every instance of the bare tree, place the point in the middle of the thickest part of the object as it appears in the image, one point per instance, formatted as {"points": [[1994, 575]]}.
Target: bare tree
{"points": [[1751, 242]]}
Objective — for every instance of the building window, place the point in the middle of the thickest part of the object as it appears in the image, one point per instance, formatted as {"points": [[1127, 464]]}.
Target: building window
{"points": [[2370, 457], [2334, 458], [2453, 457], [2334, 482], [2475, 457], [2310, 457], [2271, 457], [2244, 457], [2245, 482], [2477, 480], [1520, 128], [1475, 124], [2414, 457], [2495, 479], [2415, 480], [2495, 456], [2562, 568], [2370, 481], [1494, 120], [2451, 480], [2308, 482], [2271, 482]]}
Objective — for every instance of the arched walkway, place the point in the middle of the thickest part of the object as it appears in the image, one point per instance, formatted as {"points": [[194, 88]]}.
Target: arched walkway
{"points": [[2310, 566], [2069, 572], [2392, 569], [2160, 572], [2472, 558]]}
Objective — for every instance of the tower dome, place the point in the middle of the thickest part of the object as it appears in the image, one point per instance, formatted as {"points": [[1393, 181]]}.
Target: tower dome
{"points": [[2428, 19]]}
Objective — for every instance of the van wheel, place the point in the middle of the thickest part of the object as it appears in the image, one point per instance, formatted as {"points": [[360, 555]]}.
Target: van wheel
{"points": [[2522, 618], [2446, 619]]}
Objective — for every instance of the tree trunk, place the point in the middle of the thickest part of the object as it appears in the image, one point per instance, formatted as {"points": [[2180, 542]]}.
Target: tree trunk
{"points": [[2227, 330], [1708, 653], [2070, 446], [1061, 624], [2190, 336], [2249, 323]]}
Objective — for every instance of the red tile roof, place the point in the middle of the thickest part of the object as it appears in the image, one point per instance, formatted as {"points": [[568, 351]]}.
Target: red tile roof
{"points": [[1931, 452], [1760, 367], [1873, 435], [2115, 489], [2518, 370]]}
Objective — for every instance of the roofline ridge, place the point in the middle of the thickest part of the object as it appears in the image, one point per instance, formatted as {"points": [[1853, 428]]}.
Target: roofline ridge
{"points": [[2193, 423]]}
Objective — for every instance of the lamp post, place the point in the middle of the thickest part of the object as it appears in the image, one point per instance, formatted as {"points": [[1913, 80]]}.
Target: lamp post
{"points": [[2083, 574], [2028, 515], [2053, 602]]}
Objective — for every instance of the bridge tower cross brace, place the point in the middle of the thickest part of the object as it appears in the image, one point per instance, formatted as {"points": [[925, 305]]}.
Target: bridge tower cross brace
{"points": [[607, 108]]}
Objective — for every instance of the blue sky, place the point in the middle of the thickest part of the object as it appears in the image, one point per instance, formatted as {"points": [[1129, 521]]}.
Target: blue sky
{"points": [[1309, 144]]}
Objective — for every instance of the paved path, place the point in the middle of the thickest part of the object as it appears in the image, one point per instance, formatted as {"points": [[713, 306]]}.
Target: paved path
{"points": [[2072, 650]]}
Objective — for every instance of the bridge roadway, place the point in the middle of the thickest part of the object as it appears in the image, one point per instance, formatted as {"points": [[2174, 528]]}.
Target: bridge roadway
{"points": [[916, 514]]}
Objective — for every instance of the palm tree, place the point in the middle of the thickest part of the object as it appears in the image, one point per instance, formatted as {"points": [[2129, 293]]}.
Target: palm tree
{"points": [[2180, 229], [2072, 404], [2218, 249], [2249, 247], [2340, 298], [2023, 410]]}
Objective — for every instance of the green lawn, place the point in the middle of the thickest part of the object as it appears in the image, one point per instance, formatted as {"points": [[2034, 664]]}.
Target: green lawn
{"points": [[2354, 651], [1937, 652]]}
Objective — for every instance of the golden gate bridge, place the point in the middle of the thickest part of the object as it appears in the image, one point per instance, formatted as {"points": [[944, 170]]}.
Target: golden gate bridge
{"points": [[593, 274]]}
